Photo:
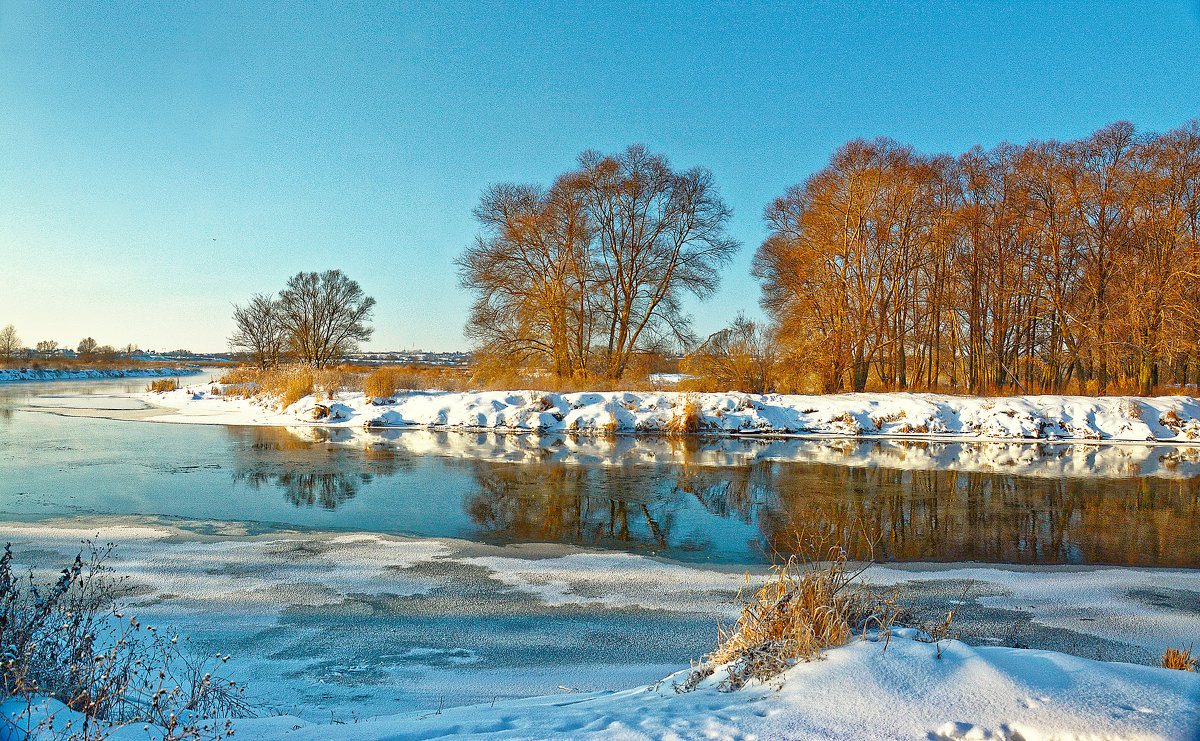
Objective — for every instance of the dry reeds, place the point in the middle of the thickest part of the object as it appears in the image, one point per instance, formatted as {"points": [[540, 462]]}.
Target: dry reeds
{"points": [[386, 382], [1179, 658], [802, 610], [687, 418], [163, 385]]}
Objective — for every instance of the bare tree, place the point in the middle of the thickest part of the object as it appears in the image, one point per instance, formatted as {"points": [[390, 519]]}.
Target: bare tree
{"points": [[87, 346], [529, 269], [259, 330], [592, 271], [741, 357], [325, 316], [10, 343], [46, 348], [660, 234]]}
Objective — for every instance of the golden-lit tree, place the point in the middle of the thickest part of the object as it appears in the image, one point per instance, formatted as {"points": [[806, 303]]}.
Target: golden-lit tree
{"points": [[583, 276]]}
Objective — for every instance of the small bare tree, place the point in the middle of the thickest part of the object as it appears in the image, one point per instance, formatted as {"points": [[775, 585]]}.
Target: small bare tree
{"points": [[46, 348], [740, 357], [325, 316], [87, 346], [259, 330], [10, 343]]}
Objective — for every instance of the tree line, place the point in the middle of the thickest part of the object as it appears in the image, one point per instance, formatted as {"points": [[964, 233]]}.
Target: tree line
{"points": [[1024, 267], [12, 348], [1044, 267]]}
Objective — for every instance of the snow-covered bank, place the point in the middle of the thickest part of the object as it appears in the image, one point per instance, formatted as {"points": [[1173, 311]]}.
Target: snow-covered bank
{"points": [[911, 690], [12, 375], [860, 691], [918, 416], [1040, 459], [411, 619]]}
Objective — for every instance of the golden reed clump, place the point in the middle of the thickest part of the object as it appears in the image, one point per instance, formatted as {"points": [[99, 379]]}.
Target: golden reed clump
{"points": [[803, 609], [1179, 658]]}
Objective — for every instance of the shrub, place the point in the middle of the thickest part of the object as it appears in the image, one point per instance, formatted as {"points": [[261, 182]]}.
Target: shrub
{"points": [[801, 611], [163, 385], [1179, 658], [386, 381], [68, 641], [687, 419]]}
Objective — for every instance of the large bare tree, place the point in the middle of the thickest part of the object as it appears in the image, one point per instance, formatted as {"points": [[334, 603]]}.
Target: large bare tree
{"points": [[325, 316], [659, 235], [587, 273]]}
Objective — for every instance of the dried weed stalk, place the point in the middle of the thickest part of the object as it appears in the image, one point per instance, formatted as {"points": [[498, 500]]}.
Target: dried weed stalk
{"points": [[69, 642]]}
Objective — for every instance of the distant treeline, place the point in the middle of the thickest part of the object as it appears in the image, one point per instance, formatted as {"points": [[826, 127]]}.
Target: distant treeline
{"points": [[1040, 267]]}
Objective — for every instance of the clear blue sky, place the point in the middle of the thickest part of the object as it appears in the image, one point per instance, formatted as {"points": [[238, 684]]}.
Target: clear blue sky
{"points": [[159, 161]]}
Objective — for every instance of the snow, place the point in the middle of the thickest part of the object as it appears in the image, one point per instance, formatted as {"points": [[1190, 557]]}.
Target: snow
{"points": [[868, 689], [248, 588], [888, 415], [12, 375]]}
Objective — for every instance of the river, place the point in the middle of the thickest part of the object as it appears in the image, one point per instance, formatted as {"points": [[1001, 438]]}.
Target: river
{"points": [[434, 568]]}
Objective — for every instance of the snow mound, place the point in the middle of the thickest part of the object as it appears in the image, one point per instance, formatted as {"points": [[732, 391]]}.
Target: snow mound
{"points": [[889, 415], [866, 690]]}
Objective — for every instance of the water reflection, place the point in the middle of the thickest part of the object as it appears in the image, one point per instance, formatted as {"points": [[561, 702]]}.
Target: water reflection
{"points": [[1050, 460], [572, 504], [906, 500], [304, 465]]}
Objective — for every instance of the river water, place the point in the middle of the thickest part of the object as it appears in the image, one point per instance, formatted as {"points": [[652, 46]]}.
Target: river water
{"points": [[430, 568]]}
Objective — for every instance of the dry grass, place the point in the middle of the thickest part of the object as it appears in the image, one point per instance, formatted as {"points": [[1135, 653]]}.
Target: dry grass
{"points": [[284, 385], [687, 418], [802, 610], [163, 385], [1179, 658], [386, 382]]}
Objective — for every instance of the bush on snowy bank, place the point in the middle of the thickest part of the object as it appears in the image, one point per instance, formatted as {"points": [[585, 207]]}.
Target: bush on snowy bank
{"points": [[74, 667], [800, 612]]}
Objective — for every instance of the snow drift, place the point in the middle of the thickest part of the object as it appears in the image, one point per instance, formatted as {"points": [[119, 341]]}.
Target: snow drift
{"points": [[892, 415]]}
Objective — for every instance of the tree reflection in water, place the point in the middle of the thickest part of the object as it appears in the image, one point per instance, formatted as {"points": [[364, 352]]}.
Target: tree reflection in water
{"points": [[674, 495], [571, 504], [308, 466], [894, 514]]}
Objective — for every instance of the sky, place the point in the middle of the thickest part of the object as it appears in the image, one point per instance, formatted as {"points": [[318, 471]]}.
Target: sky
{"points": [[160, 162]]}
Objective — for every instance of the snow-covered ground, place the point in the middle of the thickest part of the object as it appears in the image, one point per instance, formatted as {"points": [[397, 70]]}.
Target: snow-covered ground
{"points": [[11, 375], [867, 690], [252, 590], [920, 416]]}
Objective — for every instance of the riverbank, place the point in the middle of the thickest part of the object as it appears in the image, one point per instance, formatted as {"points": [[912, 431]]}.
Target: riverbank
{"points": [[305, 615], [1174, 419], [913, 689], [16, 375]]}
